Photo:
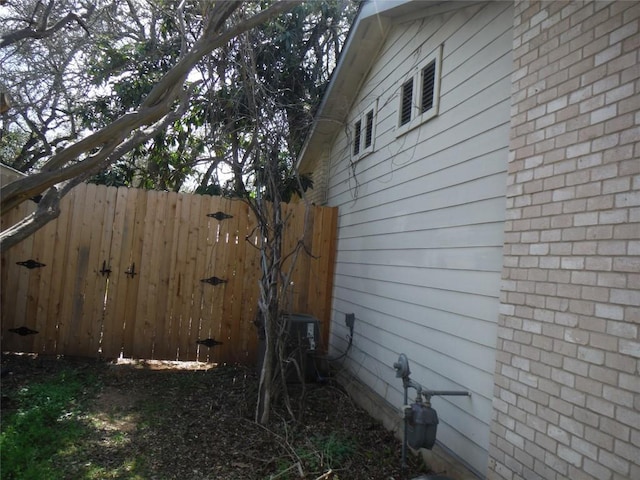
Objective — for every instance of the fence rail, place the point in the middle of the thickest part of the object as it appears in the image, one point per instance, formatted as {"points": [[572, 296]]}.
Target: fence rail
{"points": [[124, 268]]}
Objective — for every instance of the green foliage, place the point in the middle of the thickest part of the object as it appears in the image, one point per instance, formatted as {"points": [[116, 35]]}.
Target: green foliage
{"points": [[44, 424], [11, 142], [331, 451], [318, 454]]}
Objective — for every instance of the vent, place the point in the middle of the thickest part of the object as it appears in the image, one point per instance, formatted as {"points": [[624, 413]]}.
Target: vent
{"points": [[368, 136], [407, 99], [428, 86], [356, 137]]}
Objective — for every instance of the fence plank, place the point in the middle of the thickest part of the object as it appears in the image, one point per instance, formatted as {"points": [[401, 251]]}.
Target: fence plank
{"points": [[162, 344], [326, 236], [104, 264], [46, 250], [216, 267], [161, 264], [177, 280], [191, 294], [208, 324], [89, 280], [134, 298], [119, 256], [79, 339], [17, 285], [237, 253], [138, 338]]}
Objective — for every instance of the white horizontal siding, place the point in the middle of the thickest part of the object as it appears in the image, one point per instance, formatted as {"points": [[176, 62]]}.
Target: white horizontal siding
{"points": [[421, 221]]}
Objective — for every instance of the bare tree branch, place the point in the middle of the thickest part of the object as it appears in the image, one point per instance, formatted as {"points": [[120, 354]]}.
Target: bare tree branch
{"points": [[42, 30]]}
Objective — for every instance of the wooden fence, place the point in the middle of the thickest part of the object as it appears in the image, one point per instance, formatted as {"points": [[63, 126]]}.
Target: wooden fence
{"points": [[123, 268]]}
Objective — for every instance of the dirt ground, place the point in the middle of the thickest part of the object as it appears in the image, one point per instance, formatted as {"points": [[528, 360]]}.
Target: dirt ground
{"points": [[155, 420]]}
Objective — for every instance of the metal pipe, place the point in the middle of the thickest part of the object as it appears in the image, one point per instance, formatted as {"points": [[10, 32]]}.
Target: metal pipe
{"points": [[406, 433], [459, 393], [402, 371]]}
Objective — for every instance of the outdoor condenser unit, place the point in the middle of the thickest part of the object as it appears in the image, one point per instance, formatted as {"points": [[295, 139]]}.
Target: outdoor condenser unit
{"points": [[303, 338]]}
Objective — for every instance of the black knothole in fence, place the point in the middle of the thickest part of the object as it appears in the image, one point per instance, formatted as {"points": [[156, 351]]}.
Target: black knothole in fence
{"points": [[213, 281], [30, 264], [219, 215]]}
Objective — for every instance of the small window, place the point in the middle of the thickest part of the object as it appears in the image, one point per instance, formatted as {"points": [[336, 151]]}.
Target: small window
{"points": [[419, 95], [364, 127]]}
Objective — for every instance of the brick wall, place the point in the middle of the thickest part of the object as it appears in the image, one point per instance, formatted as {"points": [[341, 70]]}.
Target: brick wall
{"points": [[567, 382]]}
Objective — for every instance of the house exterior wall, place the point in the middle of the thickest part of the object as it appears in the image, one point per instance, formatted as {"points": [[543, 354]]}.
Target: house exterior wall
{"points": [[567, 385], [421, 220]]}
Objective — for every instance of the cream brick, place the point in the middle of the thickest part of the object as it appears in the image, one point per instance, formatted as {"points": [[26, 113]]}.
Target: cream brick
{"points": [[588, 386], [618, 124], [577, 367], [604, 342], [591, 355], [630, 382], [615, 185], [627, 199], [604, 113], [602, 407], [613, 312], [624, 450], [622, 62], [605, 84], [625, 297], [612, 216], [603, 375], [592, 103], [618, 396], [570, 455], [592, 160], [614, 462], [628, 416], [620, 93], [628, 347], [604, 142], [608, 54], [595, 469]]}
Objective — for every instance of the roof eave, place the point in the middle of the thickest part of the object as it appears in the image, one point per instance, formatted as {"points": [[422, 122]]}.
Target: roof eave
{"points": [[368, 33]]}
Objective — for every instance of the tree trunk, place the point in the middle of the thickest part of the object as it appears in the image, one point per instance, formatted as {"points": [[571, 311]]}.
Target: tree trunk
{"points": [[271, 227]]}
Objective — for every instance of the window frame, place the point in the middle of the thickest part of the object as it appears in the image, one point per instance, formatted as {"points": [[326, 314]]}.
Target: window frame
{"points": [[416, 78], [361, 133]]}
